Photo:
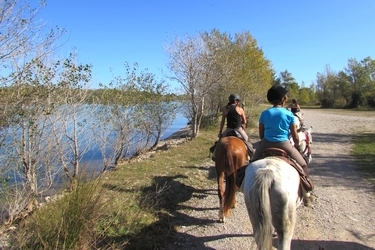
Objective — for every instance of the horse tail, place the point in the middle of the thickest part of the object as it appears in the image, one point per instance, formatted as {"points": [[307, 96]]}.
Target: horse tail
{"points": [[230, 182], [260, 212]]}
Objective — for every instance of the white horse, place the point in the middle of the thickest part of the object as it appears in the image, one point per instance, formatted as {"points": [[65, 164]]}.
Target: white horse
{"points": [[272, 193], [305, 141]]}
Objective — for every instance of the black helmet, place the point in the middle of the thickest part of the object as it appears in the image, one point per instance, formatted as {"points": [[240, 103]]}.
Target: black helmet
{"points": [[276, 93], [234, 97]]}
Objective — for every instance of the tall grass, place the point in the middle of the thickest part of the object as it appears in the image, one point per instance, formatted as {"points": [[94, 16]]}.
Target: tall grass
{"points": [[65, 223]]}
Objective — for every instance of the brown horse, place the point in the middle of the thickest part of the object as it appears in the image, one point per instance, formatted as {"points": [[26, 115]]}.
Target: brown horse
{"points": [[231, 154]]}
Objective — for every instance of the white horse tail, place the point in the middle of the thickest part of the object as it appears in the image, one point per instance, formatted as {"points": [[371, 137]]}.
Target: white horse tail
{"points": [[260, 212]]}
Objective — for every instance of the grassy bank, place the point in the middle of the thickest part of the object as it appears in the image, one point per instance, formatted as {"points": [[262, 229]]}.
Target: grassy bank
{"points": [[129, 208], [364, 153]]}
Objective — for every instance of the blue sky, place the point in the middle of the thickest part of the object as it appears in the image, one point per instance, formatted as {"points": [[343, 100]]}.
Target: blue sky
{"points": [[299, 36]]}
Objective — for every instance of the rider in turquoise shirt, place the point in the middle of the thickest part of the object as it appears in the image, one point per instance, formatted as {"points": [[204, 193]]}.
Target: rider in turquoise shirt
{"points": [[276, 124]]}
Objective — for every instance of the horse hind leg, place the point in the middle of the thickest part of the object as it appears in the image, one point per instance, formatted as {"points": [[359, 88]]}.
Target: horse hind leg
{"points": [[221, 193], [284, 219], [231, 194]]}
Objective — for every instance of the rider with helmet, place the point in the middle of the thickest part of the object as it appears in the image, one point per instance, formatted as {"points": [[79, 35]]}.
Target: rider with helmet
{"points": [[275, 126], [235, 115], [294, 106], [296, 110], [236, 121]]}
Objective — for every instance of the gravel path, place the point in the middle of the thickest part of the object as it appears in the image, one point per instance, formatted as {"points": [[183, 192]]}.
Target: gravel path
{"points": [[343, 216]]}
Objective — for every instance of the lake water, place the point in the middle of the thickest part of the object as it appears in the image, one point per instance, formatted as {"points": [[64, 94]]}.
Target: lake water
{"points": [[93, 158], [179, 123]]}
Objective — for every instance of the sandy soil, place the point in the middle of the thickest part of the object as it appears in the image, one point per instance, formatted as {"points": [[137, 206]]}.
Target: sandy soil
{"points": [[342, 217]]}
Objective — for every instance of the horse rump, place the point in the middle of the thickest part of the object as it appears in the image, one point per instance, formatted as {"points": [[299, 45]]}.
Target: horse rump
{"points": [[271, 192]]}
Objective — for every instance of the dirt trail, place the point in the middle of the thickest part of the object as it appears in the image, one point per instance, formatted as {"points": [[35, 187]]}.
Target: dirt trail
{"points": [[343, 216]]}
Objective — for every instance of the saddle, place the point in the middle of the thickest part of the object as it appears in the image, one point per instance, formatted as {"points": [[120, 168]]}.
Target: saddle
{"points": [[233, 132], [306, 182], [281, 154]]}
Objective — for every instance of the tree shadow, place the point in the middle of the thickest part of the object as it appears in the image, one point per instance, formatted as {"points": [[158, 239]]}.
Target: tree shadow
{"points": [[211, 175], [168, 204]]}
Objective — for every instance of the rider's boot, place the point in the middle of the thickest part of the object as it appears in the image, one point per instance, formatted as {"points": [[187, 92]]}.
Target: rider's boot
{"points": [[212, 150], [250, 149], [305, 169], [213, 155], [307, 188], [307, 197]]}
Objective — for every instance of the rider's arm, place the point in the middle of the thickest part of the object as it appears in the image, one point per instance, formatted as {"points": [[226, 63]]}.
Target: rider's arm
{"points": [[224, 114], [261, 130], [243, 117], [294, 133]]}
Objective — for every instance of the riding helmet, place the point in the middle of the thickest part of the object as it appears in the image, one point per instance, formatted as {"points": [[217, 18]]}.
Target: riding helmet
{"points": [[234, 97], [276, 93]]}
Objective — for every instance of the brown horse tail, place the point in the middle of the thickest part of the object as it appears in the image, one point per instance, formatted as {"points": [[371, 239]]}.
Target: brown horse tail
{"points": [[230, 182]]}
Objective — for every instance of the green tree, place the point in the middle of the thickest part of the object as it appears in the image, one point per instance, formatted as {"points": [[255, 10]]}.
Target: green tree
{"points": [[361, 76], [352, 87], [286, 78], [156, 107], [135, 111], [212, 65], [326, 88], [26, 49], [194, 67], [252, 70], [71, 129]]}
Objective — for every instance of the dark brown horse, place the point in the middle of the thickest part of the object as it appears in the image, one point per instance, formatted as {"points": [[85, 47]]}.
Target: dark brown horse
{"points": [[231, 154]]}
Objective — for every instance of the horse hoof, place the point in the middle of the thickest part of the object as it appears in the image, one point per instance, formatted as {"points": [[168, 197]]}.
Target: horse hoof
{"points": [[307, 201], [222, 220]]}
